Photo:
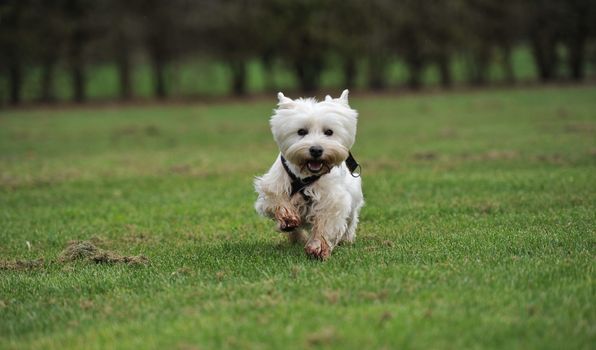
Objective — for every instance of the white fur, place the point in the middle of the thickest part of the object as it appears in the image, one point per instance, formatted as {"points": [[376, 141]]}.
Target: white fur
{"points": [[336, 198]]}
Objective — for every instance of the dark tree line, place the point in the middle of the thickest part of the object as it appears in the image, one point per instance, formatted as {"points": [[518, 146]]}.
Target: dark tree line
{"points": [[302, 34]]}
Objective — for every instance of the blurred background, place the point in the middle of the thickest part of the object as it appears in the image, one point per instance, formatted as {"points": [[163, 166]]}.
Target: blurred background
{"points": [[94, 50]]}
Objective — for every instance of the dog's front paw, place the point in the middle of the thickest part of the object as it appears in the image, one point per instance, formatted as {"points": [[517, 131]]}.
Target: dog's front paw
{"points": [[287, 220], [317, 249]]}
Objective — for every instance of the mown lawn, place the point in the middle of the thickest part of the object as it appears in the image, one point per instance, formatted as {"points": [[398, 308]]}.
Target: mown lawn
{"points": [[479, 228]]}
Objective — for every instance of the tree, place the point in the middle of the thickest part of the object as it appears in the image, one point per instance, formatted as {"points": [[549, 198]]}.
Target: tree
{"points": [[302, 40], [578, 24], [50, 34], [234, 32], [161, 25], [122, 25], [444, 33], [81, 30], [410, 38], [380, 17], [543, 30], [489, 29], [347, 35], [16, 43]]}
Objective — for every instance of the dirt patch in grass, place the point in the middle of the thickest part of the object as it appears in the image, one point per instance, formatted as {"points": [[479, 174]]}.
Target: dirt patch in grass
{"points": [[324, 337], [556, 159], [385, 317], [135, 130], [375, 296], [20, 265], [425, 156], [487, 208], [580, 128], [332, 296], [491, 155], [86, 250], [182, 169], [382, 164], [448, 133]]}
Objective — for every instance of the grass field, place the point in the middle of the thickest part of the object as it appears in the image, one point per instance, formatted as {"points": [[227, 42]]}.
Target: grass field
{"points": [[479, 228]]}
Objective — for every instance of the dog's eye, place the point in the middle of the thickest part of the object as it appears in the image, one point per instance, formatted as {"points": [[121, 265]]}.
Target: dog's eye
{"points": [[328, 132], [302, 132]]}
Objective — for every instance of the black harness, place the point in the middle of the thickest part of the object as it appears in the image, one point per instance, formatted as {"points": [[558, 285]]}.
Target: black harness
{"points": [[299, 185]]}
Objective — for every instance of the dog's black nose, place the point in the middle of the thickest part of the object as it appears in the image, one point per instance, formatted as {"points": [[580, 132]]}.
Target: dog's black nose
{"points": [[316, 151]]}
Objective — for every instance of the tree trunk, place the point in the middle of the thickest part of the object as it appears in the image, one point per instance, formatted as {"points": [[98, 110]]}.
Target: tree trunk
{"points": [[16, 82], [267, 62], [159, 84], [478, 66], [308, 73], [508, 65], [577, 57], [77, 68], [577, 38], [124, 74], [376, 73], [444, 64], [47, 80], [349, 72], [415, 68], [545, 56], [78, 81], [238, 68]]}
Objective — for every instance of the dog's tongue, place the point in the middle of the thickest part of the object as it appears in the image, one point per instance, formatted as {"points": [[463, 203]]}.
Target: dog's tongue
{"points": [[314, 166]]}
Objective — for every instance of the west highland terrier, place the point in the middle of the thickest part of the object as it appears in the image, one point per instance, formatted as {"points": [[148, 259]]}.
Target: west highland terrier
{"points": [[312, 185]]}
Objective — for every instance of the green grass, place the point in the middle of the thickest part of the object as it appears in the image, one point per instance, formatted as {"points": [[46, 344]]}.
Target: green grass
{"points": [[479, 228]]}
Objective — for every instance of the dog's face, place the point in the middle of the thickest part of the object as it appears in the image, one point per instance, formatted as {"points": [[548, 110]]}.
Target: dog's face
{"points": [[314, 136]]}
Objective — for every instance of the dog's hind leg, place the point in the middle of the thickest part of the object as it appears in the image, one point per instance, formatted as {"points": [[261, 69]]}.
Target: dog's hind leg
{"points": [[350, 234]]}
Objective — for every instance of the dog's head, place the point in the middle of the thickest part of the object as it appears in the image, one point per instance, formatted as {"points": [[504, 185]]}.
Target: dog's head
{"points": [[314, 136]]}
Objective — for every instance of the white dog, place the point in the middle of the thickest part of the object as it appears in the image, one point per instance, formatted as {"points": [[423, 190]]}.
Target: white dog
{"points": [[312, 186]]}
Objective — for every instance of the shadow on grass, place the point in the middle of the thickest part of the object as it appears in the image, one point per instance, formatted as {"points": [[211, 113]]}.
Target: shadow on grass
{"points": [[238, 257]]}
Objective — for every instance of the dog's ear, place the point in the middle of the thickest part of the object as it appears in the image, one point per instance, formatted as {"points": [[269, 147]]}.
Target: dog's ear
{"points": [[284, 102], [344, 97]]}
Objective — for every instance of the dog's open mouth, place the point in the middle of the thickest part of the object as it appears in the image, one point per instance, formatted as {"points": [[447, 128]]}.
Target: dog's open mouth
{"points": [[314, 166]]}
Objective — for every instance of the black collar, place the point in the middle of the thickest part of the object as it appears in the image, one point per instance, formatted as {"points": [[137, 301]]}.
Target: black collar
{"points": [[298, 184], [353, 165]]}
